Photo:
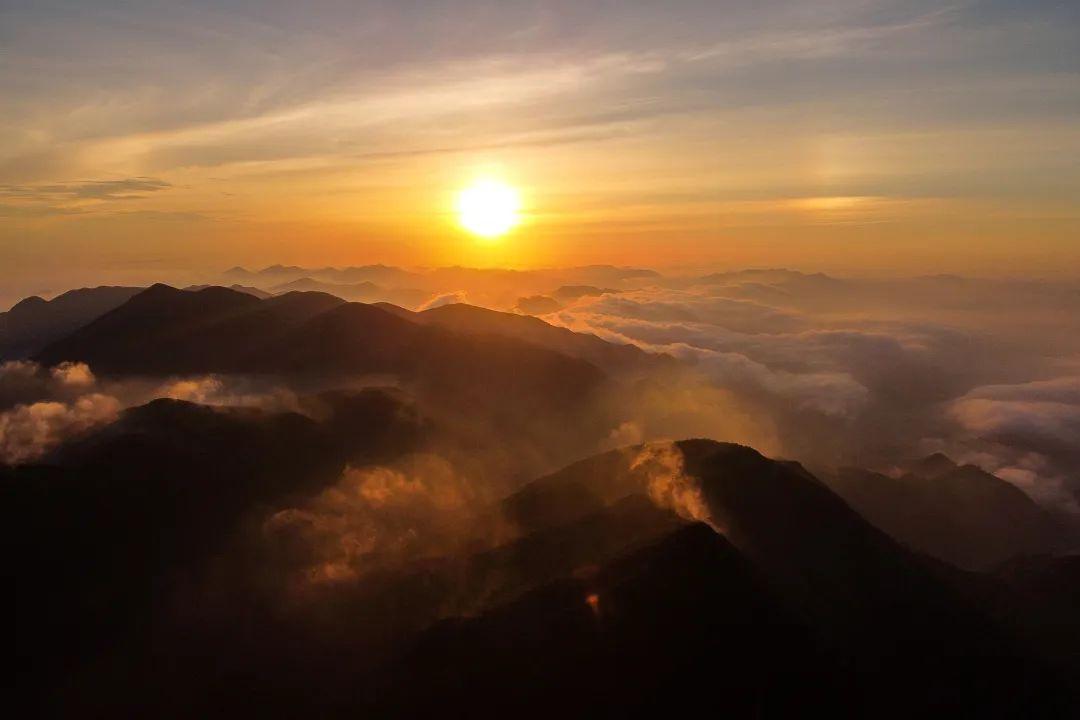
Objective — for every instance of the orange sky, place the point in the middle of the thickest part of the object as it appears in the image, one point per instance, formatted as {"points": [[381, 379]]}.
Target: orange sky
{"points": [[865, 138]]}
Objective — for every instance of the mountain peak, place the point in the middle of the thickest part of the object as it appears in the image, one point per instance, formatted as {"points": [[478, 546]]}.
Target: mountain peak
{"points": [[34, 301], [933, 466]]}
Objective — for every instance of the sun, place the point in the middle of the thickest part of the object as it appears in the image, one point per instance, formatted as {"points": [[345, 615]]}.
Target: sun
{"points": [[488, 208]]}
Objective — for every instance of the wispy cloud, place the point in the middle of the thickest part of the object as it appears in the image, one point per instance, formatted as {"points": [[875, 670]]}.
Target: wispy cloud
{"points": [[51, 200], [134, 188]]}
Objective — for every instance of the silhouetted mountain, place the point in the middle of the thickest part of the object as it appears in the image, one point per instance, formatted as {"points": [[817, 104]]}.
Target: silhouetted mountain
{"points": [[660, 630], [261, 294], [142, 554], [761, 275], [537, 305], [958, 513], [33, 323], [1035, 599], [367, 292], [119, 520], [461, 317], [164, 331], [933, 466], [841, 574], [311, 285], [270, 272], [385, 275], [613, 274], [568, 293]]}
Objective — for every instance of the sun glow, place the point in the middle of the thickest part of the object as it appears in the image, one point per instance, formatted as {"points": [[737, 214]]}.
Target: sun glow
{"points": [[488, 208]]}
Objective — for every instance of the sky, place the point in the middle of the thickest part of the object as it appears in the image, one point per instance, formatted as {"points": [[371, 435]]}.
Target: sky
{"points": [[859, 137]]}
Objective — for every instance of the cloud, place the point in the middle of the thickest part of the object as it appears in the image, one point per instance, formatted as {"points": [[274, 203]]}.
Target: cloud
{"points": [[232, 391], [1026, 433], [667, 483], [134, 188], [28, 431], [868, 373], [41, 408], [23, 381], [37, 211], [1043, 414], [73, 198], [449, 298], [73, 375], [720, 338], [381, 516], [1053, 420]]}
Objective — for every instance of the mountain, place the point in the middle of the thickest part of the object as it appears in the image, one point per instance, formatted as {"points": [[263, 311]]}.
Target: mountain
{"points": [[33, 323], [957, 513], [117, 521], [648, 579], [277, 274], [270, 273], [569, 293], [385, 275], [873, 602], [366, 291], [307, 284], [537, 305], [261, 294], [613, 274], [463, 318], [666, 628], [164, 331], [933, 466]]}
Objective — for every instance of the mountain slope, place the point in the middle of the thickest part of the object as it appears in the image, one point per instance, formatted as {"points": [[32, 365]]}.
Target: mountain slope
{"points": [[165, 331], [367, 292], [34, 323], [102, 537], [958, 513], [599, 602], [658, 630], [873, 604], [460, 317]]}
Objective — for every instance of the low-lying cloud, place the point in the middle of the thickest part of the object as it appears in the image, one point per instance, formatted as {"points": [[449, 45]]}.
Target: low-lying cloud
{"points": [[380, 516], [41, 408], [28, 431], [871, 373]]}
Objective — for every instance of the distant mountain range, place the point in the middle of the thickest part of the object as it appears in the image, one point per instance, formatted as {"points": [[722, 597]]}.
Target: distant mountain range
{"points": [[437, 279], [365, 291]]}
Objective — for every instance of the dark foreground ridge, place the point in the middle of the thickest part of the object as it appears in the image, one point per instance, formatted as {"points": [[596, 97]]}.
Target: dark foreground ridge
{"points": [[148, 584]]}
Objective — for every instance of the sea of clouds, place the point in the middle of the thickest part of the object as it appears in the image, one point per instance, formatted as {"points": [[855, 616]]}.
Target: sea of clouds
{"points": [[873, 373]]}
